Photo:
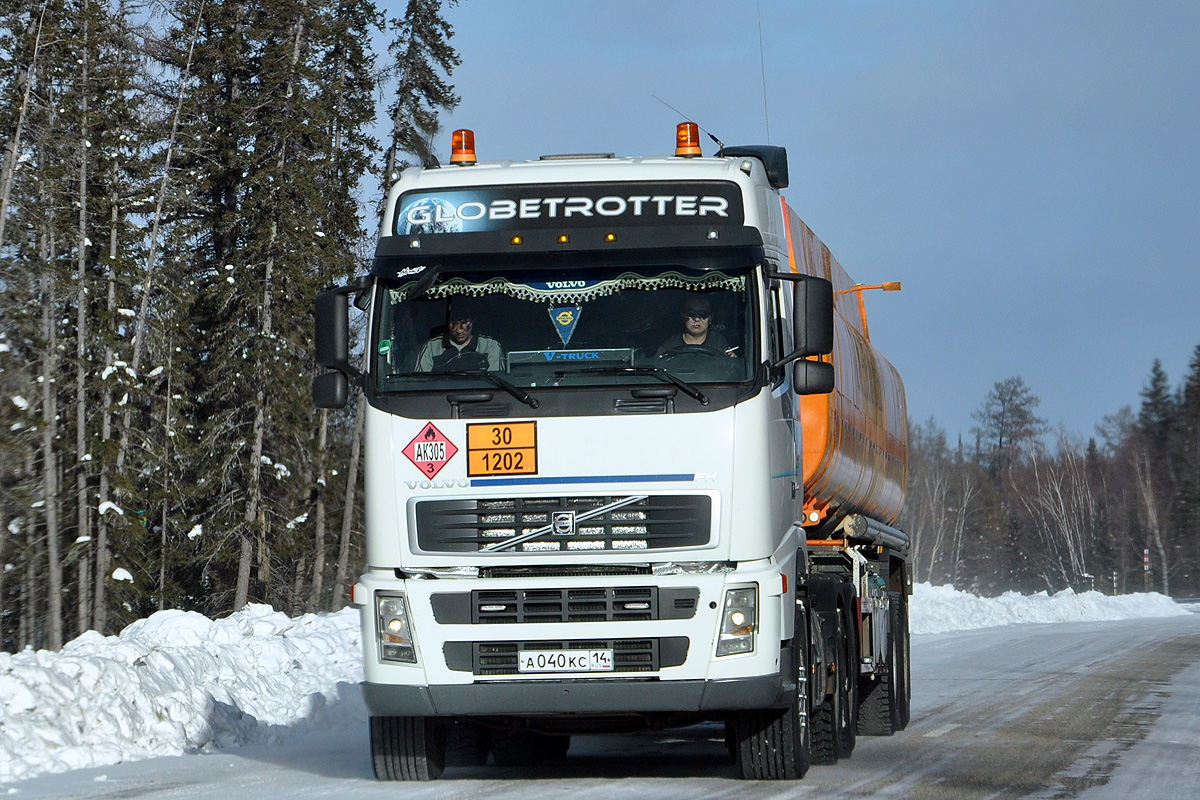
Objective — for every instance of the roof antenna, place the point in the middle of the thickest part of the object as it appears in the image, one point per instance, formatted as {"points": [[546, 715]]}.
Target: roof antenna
{"points": [[720, 144], [762, 65]]}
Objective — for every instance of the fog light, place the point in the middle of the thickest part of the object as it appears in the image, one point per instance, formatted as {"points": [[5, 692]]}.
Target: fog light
{"points": [[738, 620]]}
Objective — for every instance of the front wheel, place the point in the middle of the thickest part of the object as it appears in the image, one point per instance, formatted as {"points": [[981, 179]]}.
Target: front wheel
{"points": [[408, 748], [775, 744]]}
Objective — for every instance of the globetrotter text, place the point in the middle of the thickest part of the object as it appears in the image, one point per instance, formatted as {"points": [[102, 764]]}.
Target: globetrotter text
{"points": [[566, 207]]}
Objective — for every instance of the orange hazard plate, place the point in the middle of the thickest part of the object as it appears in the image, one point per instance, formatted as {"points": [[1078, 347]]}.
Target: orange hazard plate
{"points": [[507, 448]]}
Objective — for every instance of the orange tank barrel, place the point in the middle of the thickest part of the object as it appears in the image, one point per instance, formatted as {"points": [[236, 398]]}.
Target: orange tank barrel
{"points": [[855, 453]]}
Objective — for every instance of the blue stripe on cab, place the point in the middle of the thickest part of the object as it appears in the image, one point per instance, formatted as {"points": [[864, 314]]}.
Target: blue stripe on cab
{"points": [[583, 479]]}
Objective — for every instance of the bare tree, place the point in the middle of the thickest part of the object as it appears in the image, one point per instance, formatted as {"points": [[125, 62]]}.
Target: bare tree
{"points": [[1145, 486], [1061, 504], [26, 78], [343, 563], [968, 491], [319, 485]]}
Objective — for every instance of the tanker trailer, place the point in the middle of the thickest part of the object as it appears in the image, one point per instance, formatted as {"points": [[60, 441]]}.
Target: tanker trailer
{"points": [[855, 470]]}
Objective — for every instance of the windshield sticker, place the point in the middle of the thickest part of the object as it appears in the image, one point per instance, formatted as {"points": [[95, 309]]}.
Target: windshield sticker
{"points": [[581, 205], [429, 450], [565, 318]]}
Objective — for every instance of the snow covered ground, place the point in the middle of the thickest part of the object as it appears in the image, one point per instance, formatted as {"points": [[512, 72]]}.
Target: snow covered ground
{"points": [[178, 682]]}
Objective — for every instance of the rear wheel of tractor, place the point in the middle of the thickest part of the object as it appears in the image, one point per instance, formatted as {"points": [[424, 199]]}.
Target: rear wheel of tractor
{"points": [[826, 712], [775, 744], [848, 676], [408, 748], [904, 677], [879, 708]]}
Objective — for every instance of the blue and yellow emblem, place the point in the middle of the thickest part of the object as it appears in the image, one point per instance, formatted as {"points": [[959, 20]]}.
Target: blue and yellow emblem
{"points": [[565, 318]]}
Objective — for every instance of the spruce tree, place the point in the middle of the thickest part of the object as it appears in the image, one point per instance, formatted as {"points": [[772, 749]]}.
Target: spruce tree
{"points": [[1187, 506], [423, 61], [275, 145], [1156, 459]]}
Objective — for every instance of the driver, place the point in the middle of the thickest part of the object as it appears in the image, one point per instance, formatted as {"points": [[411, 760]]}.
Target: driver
{"points": [[697, 318], [460, 348]]}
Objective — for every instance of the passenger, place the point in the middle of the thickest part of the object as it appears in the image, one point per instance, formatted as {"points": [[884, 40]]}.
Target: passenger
{"points": [[696, 337], [460, 348]]}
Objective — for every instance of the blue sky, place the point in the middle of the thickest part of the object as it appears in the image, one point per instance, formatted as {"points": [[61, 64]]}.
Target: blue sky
{"points": [[1028, 170]]}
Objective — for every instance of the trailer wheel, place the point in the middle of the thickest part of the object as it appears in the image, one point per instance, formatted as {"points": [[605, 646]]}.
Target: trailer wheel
{"points": [[882, 695], [408, 748], [775, 744], [904, 688]]}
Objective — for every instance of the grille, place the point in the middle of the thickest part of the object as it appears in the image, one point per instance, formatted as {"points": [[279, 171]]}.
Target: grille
{"points": [[564, 524], [629, 655], [592, 604], [564, 605]]}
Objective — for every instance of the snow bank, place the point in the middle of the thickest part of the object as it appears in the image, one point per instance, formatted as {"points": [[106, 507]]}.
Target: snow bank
{"points": [[178, 681], [940, 609], [172, 683]]}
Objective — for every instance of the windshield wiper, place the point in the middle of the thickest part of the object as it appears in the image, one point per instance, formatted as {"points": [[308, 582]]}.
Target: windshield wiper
{"points": [[495, 380], [658, 372]]}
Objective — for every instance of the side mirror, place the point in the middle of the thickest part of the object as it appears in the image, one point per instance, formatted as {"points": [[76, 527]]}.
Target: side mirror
{"points": [[330, 390], [812, 377], [331, 331], [812, 317]]}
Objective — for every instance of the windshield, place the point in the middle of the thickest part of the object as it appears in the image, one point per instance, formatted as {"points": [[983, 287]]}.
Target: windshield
{"points": [[564, 328]]}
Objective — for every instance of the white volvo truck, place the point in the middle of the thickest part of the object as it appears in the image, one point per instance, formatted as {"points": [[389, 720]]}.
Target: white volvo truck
{"points": [[631, 463]]}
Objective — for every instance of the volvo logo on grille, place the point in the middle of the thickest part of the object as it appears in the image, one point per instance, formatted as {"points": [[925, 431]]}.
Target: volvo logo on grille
{"points": [[563, 523]]}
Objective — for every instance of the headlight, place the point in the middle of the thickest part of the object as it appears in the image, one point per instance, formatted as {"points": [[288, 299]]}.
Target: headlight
{"points": [[738, 622], [391, 626]]}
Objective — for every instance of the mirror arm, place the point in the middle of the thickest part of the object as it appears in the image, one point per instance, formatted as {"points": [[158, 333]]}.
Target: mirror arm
{"points": [[789, 358]]}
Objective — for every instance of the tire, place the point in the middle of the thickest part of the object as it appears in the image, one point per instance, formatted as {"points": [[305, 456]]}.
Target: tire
{"points": [[880, 706], [835, 719], [408, 748], [904, 689], [468, 745], [518, 748], [775, 744], [825, 743], [848, 680]]}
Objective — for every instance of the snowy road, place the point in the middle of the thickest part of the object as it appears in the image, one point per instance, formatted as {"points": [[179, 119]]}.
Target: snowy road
{"points": [[1092, 710]]}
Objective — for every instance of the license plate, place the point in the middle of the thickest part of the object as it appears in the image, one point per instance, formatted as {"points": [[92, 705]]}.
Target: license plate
{"points": [[565, 661]]}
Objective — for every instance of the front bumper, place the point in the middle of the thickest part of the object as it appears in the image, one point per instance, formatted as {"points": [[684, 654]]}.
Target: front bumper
{"points": [[586, 696]]}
